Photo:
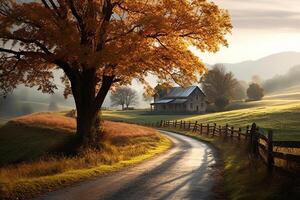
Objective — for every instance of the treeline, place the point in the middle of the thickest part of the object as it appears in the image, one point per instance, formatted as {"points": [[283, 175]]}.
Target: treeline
{"points": [[279, 82], [222, 88]]}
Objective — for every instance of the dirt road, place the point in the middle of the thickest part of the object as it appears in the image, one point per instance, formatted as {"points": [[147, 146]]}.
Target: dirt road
{"points": [[184, 172]]}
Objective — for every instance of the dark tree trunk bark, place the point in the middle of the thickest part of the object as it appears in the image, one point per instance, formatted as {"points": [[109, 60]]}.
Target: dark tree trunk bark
{"points": [[88, 105]]}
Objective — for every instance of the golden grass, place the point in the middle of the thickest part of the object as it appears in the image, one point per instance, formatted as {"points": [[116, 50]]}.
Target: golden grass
{"points": [[123, 145], [53, 120]]}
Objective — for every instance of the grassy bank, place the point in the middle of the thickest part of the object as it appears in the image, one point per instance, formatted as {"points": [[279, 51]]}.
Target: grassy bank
{"points": [[246, 177], [40, 169], [282, 116]]}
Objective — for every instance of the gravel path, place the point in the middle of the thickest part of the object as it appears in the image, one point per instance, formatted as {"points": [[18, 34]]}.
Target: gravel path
{"points": [[184, 172]]}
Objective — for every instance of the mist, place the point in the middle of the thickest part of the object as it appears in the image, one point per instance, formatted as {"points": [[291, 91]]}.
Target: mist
{"points": [[280, 82]]}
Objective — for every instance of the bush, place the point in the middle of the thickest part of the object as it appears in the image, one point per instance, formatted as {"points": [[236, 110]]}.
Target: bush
{"points": [[255, 92], [221, 102]]}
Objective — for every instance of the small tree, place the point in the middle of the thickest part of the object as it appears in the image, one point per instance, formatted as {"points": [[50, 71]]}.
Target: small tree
{"points": [[255, 92], [123, 96]]}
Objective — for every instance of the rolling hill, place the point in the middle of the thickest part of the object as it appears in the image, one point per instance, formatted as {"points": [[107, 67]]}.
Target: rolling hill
{"points": [[266, 67]]}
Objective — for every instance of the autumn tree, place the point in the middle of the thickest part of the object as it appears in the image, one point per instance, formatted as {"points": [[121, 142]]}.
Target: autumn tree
{"points": [[255, 92], [124, 96], [219, 86], [100, 44]]}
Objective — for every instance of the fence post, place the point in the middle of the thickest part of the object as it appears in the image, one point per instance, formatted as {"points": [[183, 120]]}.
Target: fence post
{"points": [[270, 151], [232, 131], [239, 134], [247, 132], [207, 131], [161, 122], [201, 128], [180, 124], [189, 127], [214, 129], [175, 123], [195, 126], [226, 130], [254, 138], [220, 130]]}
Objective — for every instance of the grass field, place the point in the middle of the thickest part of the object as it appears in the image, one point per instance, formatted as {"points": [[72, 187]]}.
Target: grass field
{"points": [[246, 177], [280, 112], [30, 165]]}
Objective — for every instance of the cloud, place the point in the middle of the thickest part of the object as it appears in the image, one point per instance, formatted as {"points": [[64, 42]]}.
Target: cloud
{"points": [[263, 14], [266, 19]]}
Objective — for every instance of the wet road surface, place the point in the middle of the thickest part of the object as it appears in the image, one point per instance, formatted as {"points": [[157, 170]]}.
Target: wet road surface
{"points": [[184, 172]]}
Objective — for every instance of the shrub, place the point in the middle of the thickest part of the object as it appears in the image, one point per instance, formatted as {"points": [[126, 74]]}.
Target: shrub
{"points": [[255, 92]]}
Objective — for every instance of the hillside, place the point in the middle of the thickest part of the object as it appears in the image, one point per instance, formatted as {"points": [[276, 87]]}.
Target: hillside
{"points": [[266, 67], [37, 153], [280, 112]]}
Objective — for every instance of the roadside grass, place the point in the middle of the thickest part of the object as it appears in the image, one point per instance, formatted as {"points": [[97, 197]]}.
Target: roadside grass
{"points": [[43, 171], [282, 116], [246, 177]]}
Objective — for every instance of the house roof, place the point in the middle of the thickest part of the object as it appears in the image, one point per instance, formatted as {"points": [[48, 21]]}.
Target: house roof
{"points": [[162, 101], [172, 101], [179, 101], [180, 92]]}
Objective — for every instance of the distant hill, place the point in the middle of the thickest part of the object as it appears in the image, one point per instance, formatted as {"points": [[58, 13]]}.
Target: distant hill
{"points": [[265, 67]]}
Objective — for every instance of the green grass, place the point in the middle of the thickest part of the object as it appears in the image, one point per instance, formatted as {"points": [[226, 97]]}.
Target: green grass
{"points": [[282, 116], [22, 143], [247, 178]]}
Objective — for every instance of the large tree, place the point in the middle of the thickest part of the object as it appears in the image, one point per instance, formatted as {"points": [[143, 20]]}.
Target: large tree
{"points": [[219, 85], [104, 43], [124, 96]]}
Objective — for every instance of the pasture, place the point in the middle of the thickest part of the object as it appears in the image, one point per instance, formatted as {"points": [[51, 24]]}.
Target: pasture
{"points": [[279, 112]]}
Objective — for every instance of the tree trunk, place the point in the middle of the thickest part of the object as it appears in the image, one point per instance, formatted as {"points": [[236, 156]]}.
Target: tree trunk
{"points": [[88, 126], [88, 105]]}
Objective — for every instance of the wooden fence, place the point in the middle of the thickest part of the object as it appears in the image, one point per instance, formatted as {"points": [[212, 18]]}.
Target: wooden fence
{"points": [[283, 154]]}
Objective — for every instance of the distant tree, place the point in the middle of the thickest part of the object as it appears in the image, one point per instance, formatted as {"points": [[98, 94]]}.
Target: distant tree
{"points": [[255, 92], [239, 92], [221, 102], [218, 84], [123, 96]]}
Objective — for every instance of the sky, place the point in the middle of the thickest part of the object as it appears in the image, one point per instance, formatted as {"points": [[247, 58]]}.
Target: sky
{"points": [[261, 28]]}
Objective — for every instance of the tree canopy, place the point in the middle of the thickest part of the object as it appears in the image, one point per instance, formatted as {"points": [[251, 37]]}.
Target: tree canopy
{"points": [[124, 96], [104, 43], [217, 83], [255, 92]]}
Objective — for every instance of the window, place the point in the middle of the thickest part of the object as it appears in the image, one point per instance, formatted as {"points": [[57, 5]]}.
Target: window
{"points": [[191, 106]]}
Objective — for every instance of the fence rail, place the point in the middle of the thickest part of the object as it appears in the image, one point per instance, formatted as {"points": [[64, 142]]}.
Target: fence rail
{"points": [[273, 153]]}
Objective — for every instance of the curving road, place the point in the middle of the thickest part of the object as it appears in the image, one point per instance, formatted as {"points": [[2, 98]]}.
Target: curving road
{"points": [[184, 172]]}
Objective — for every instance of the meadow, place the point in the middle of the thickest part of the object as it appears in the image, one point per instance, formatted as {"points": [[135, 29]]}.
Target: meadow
{"points": [[279, 112], [37, 153]]}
